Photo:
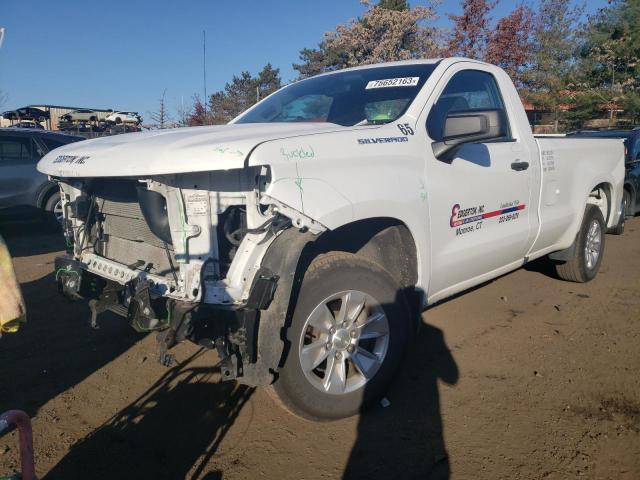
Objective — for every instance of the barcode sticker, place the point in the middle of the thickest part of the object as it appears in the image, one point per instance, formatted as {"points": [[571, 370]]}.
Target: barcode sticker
{"points": [[393, 82]]}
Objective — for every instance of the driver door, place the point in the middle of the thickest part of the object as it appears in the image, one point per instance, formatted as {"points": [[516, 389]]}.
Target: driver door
{"points": [[480, 197]]}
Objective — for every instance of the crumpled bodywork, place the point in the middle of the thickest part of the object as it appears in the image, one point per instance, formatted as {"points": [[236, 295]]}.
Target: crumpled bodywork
{"points": [[320, 176]]}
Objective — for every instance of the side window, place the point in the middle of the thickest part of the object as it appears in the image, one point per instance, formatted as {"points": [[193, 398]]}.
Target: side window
{"points": [[51, 143], [15, 150], [38, 149], [467, 90]]}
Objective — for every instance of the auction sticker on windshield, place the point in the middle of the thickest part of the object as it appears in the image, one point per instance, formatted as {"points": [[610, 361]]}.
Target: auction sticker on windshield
{"points": [[393, 82]]}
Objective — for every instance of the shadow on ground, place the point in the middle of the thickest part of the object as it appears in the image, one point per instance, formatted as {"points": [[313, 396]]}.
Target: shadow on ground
{"points": [[57, 348], [170, 432], [25, 238], [406, 440], [542, 265]]}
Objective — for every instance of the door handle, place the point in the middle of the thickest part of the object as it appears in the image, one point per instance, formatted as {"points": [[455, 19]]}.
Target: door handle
{"points": [[518, 166]]}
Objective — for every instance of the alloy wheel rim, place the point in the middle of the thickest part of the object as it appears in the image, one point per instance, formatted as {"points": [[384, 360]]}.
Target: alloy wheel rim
{"points": [[593, 244], [57, 211], [344, 342]]}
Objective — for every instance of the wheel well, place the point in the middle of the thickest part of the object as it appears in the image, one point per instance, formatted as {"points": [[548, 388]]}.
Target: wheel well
{"points": [[629, 189], [45, 193], [596, 198], [385, 241]]}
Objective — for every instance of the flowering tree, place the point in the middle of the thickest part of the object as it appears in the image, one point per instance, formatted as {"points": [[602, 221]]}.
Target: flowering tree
{"points": [[470, 32], [386, 32], [198, 115], [510, 44]]}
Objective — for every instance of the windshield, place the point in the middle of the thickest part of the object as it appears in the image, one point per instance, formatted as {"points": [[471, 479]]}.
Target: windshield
{"points": [[369, 96]]}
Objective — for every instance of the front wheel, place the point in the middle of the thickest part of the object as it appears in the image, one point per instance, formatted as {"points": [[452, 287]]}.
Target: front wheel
{"points": [[53, 210], [588, 249], [347, 337]]}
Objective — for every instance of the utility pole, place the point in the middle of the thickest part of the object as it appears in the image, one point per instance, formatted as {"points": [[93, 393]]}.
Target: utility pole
{"points": [[613, 80], [204, 70]]}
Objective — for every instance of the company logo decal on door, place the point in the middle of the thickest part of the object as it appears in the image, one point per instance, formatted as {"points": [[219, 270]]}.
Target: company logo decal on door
{"points": [[461, 216]]}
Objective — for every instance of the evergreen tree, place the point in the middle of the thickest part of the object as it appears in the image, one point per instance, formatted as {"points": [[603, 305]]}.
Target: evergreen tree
{"points": [[242, 93], [610, 53]]}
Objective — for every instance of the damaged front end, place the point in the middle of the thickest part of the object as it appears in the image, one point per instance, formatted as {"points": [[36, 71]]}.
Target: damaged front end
{"points": [[183, 255]]}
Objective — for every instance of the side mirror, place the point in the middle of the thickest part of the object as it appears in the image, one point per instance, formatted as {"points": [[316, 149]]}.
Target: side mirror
{"points": [[469, 126]]}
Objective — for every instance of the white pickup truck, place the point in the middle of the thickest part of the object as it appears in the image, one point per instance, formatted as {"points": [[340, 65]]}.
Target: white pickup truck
{"points": [[302, 240]]}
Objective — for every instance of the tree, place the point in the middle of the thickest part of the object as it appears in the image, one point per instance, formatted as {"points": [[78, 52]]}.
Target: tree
{"points": [[198, 115], [610, 52], [241, 93], [397, 5], [160, 116], [509, 45], [471, 29], [387, 31], [554, 45], [630, 103], [584, 106]]}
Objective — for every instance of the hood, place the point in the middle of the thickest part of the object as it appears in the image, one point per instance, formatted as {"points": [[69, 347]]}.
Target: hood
{"points": [[161, 152]]}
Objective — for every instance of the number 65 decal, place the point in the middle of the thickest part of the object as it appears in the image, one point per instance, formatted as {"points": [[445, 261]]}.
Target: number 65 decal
{"points": [[405, 128]]}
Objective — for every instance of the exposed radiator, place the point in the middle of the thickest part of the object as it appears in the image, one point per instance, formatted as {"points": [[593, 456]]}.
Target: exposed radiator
{"points": [[128, 237]]}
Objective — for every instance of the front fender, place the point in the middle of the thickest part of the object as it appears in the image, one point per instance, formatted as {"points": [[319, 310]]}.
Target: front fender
{"points": [[342, 177]]}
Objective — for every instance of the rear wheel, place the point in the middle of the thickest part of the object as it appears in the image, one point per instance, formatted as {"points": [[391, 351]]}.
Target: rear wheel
{"points": [[347, 337], [588, 249], [626, 205]]}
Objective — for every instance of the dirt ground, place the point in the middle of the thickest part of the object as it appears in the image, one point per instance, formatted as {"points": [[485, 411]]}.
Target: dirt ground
{"points": [[526, 377]]}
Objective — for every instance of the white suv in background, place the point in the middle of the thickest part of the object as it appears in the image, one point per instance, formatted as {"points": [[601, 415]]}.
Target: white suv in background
{"points": [[124, 117]]}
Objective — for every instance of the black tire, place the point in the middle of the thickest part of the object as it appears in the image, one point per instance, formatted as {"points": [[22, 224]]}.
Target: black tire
{"points": [[118, 120], [626, 205], [50, 210], [577, 268], [328, 275]]}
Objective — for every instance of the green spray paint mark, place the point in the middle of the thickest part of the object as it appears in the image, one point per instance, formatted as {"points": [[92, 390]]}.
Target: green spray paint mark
{"points": [[299, 153], [227, 150], [66, 269], [298, 182]]}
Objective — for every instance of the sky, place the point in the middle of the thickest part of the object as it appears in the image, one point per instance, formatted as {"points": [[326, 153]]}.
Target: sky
{"points": [[122, 54]]}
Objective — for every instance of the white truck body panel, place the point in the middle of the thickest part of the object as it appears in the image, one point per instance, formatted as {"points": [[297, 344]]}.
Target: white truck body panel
{"points": [[330, 176]]}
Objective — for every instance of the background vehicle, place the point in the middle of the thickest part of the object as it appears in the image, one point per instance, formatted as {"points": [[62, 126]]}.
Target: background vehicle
{"points": [[81, 115], [301, 240], [22, 187], [632, 162], [124, 117], [29, 124]]}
